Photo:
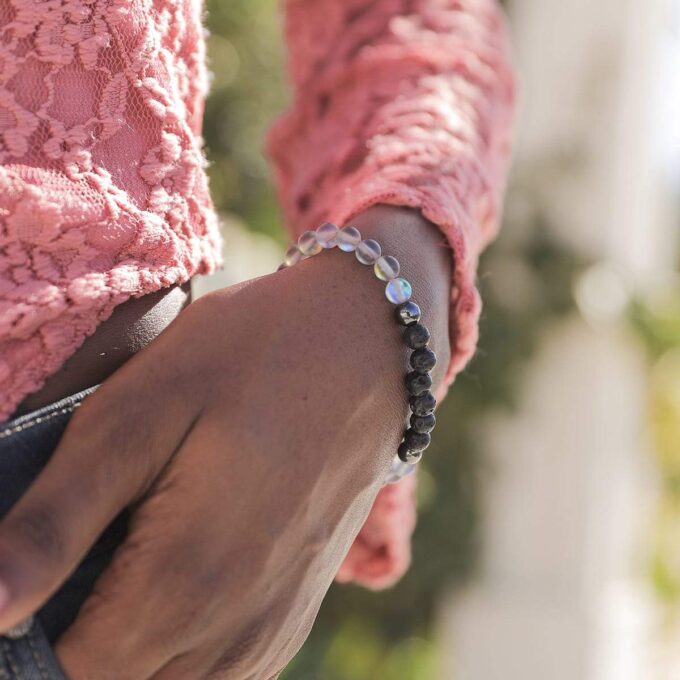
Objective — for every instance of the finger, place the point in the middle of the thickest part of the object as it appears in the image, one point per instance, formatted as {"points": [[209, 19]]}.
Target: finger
{"points": [[108, 454], [169, 597], [145, 609]]}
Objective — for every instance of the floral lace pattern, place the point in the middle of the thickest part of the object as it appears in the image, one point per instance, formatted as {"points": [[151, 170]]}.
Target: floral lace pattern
{"points": [[102, 190]]}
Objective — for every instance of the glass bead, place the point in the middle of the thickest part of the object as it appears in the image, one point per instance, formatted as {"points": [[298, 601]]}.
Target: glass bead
{"points": [[326, 235], [423, 423], [423, 404], [348, 239], [416, 336], [398, 291], [292, 256], [408, 313], [398, 470], [386, 268], [368, 251], [423, 360], [417, 383], [308, 244]]}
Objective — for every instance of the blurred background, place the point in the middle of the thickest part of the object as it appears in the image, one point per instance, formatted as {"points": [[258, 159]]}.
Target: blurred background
{"points": [[548, 542]]}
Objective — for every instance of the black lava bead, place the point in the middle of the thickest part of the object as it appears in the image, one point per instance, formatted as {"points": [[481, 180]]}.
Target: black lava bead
{"points": [[423, 360], [408, 313], [417, 383], [408, 456], [423, 423], [414, 443], [423, 404], [416, 336]]}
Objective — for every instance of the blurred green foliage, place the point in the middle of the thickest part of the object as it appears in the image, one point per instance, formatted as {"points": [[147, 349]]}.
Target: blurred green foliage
{"points": [[248, 89], [656, 318], [361, 635]]}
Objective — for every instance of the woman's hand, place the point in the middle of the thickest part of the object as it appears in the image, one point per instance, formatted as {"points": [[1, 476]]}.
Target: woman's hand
{"points": [[251, 437]]}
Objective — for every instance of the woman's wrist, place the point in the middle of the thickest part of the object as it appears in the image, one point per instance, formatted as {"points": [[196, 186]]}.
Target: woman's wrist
{"points": [[426, 261], [363, 311]]}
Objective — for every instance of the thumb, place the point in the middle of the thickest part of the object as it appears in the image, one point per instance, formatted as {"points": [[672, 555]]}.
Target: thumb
{"points": [[110, 453]]}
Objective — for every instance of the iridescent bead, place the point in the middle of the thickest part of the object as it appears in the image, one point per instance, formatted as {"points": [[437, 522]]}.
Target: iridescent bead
{"points": [[416, 336], [398, 470], [423, 404], [308, 244], [398, 291], [386, 268], [368, 251], [348, 239], [423, 360], [292, 256], [408, 313], [326, 235], [417, 383], [423, 423]]}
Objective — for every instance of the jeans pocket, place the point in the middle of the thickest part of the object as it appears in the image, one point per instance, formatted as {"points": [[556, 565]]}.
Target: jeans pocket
{"points": [[25, 654]]}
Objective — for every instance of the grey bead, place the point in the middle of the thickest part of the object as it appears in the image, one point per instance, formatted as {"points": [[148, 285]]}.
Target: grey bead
{"points": [[423, 360], [423, 404], [423, 423], [417, 383], [408, 313], [416, 336], [408, 456]]}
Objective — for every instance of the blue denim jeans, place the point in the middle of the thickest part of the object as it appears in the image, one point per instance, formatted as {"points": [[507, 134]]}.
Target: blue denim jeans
{"points": [[26, 444]]}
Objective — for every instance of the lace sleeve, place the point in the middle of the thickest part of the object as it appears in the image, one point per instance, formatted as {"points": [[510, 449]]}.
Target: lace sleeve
{"points": [[102, 189], [406, 102]]}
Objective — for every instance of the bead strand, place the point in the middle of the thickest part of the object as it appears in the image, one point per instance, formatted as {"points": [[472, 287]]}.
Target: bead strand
{"points": [[416, 335]]}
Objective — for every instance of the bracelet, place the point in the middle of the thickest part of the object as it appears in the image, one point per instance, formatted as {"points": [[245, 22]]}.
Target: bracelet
{"points": [[416, 336]]}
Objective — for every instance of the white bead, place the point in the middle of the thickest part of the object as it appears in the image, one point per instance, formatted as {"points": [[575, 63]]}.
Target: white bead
{"points": [[368, 251], [398, 470], [292, 256], [348, 239], [386, 268], [308, 244], [326, 235], [398, 291]]}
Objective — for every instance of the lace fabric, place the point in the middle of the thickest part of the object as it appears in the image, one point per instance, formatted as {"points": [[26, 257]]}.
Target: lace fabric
{"points": [[102, 190], [103, 194]]}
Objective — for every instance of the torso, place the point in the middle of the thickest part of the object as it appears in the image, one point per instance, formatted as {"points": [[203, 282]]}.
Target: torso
{"points": [[132, 326]]}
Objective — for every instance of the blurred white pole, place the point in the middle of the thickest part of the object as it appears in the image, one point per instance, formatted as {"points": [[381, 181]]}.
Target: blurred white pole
{"points": [[560, 595]]}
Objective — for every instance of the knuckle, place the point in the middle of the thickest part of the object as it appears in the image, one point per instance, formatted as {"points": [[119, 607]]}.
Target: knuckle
{"points": [[38, 529]]}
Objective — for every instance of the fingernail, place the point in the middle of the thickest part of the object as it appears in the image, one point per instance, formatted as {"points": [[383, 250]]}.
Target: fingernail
{"points": [[4, 596]]}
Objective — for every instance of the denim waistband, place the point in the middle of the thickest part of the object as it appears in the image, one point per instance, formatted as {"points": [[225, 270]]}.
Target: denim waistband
{"points": [[62, 407]]}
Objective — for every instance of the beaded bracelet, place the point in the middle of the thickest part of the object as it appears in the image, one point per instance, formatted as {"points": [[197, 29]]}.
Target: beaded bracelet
{"points": [[398, 291]]}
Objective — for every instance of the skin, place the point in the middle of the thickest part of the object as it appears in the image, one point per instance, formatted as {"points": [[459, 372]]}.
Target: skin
{"points": [[251, 437]]}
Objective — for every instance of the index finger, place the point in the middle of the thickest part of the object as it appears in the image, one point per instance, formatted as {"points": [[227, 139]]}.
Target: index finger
{"points": [[110, 453]]}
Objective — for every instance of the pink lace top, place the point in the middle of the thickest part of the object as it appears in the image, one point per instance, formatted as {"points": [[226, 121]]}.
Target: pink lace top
{"points": [[103, 194]]}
